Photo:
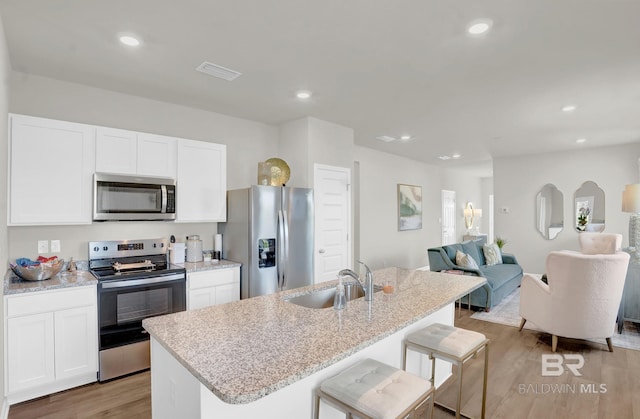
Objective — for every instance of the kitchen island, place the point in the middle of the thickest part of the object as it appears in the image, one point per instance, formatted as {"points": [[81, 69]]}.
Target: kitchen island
{"points": [[262, 357]]}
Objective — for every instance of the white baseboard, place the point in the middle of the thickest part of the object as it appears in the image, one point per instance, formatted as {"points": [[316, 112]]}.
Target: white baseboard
{"points": [[4, 413]]}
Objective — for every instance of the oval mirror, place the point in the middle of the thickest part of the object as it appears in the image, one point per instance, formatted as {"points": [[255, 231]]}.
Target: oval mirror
{"points": [[588, 208], [549, 211]]}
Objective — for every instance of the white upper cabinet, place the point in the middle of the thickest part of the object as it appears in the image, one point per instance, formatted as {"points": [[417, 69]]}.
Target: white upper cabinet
{"points": [[51, 164], [135, 153], [116, 151], [201, 182], [156, 155]]}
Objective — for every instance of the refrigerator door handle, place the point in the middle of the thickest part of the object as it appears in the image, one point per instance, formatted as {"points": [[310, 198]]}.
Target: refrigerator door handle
{"points": [[285, 245], [280, 247]]}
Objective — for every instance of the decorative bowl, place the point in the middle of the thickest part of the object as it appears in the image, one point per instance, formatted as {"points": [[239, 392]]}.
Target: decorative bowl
{"points": [[40, 272]]}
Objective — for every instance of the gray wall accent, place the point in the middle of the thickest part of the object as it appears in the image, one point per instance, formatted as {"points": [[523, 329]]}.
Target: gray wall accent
{"points": [[517, 180]]}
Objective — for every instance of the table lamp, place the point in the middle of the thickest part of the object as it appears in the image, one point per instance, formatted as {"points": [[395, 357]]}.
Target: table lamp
{"points": [[631, 204]]}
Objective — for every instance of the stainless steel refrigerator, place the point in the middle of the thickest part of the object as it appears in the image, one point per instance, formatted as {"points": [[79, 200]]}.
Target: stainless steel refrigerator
{"points": [[269, 229]]}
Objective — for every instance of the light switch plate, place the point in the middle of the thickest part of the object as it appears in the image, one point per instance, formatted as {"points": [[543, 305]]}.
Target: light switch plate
{"points": [[43, 246], [55, 246]]}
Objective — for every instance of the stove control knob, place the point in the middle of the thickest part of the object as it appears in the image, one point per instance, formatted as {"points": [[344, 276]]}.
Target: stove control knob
{"points": [[155, 245], [96, 249], [105, 248]]}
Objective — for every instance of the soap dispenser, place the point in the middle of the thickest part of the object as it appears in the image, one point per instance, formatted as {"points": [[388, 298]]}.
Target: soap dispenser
{"points": [[340, 299]]}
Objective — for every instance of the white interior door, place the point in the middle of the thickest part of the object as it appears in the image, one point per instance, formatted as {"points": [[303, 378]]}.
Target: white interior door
{"points": [[332, 221], [448, 217]]}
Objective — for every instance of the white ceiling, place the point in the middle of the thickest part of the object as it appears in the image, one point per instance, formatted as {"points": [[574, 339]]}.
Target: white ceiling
{"points": [[381, 67]]}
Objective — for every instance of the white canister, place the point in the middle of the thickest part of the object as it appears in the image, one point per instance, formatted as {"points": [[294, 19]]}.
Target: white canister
{"points": [[194, 249], [176, 253]]}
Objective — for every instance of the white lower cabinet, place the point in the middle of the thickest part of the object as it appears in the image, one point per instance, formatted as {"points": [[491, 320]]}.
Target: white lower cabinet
{"points": [[51, 341], [208, 288]]}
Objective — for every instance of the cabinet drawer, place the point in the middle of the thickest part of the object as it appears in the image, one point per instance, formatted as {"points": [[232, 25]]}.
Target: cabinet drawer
{"points": [[49, 301], [213, 278]]}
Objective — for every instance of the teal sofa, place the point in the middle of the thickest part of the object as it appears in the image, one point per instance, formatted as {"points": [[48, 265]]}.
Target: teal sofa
{"points": [[502, 279]]}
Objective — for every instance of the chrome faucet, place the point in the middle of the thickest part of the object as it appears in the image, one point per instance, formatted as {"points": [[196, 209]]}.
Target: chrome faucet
{"points": [[367, 288]]}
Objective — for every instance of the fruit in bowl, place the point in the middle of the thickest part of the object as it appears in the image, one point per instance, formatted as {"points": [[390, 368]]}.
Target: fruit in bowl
{"points": [[43, 268]]}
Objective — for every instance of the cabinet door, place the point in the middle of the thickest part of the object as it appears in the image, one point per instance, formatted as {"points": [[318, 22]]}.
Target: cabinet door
{"points": [[202, 181], [156, 155], [200, 298], [116, 151], [30, 347], [51, 164], [227, 293], [76, 341]]}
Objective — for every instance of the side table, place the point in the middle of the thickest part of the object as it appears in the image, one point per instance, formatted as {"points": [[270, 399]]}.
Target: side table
{"points": [[630, 303]]}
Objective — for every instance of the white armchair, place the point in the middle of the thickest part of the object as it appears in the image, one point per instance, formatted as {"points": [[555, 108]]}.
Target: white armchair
{"points": [[599, 243], [582, 297]]}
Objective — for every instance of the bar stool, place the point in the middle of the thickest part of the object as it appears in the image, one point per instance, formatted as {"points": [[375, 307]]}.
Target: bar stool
{"points": [[449, 344], [371, 389]]}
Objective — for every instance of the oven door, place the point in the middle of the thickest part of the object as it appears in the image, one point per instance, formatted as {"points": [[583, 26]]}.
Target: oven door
{"points": [[133, 198], [124, 304]]}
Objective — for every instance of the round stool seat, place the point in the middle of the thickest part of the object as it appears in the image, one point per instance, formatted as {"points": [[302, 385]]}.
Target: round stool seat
{"points": [[376, 389], [447, 339]]}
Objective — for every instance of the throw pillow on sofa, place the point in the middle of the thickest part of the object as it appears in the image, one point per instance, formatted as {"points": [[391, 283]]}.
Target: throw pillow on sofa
{"points": [[492, 254], [466, 261]]}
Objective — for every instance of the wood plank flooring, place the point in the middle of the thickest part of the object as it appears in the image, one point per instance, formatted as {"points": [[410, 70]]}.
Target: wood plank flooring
{"points": [[516, 388]]}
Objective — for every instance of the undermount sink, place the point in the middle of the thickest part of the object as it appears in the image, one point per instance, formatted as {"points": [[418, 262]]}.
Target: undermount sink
{"points": [[324, 298]]}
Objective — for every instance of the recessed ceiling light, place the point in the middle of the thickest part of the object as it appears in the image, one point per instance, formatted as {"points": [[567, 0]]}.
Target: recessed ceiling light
{"points": [[479, 26], [569, 108], [130, 40], [303, 94], [444, 157], [581, 140], [385, 138], [405, 137], [457, 156]]}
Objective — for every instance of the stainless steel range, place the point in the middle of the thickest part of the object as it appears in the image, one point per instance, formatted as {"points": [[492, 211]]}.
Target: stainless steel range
{"points": [[135, 281]]}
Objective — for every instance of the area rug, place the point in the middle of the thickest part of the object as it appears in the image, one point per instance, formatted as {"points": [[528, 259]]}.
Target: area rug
{"points": [[507, 312]]}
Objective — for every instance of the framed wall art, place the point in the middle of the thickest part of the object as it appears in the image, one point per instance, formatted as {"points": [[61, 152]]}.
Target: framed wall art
{"points": [[409, 207]]}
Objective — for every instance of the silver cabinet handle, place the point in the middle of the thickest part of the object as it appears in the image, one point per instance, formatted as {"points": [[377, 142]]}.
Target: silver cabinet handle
{"points": [[321, 251]]}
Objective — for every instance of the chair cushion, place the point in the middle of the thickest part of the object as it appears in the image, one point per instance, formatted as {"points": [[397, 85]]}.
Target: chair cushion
{"points": [[492, 254], [447, 339], [465, 260], [376, 389]]}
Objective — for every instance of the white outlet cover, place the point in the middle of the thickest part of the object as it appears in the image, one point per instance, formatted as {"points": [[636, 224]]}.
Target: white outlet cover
{"points": [[43, 246]]}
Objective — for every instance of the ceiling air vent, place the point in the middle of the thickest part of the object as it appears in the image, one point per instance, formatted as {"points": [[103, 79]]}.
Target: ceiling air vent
{"points": [[218, 71]]}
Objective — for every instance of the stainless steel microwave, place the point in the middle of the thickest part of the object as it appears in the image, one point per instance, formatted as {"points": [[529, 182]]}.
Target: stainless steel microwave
{"points": [[129, 198]]}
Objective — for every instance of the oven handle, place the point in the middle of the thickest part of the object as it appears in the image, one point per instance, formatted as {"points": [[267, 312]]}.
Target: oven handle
{"points": [[144, 281]]}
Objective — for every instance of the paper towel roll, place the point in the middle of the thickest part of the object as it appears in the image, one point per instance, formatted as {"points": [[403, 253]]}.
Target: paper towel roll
{"points": [[217, 245]]}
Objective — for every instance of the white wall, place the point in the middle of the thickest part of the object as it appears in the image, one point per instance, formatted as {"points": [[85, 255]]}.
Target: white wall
{"points": [[306, 141], [248, 142], [517, 180], [4, 243], [381, 244]]}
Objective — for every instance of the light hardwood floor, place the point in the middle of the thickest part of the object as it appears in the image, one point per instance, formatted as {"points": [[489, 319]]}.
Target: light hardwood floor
{"points": [[515, 361]]}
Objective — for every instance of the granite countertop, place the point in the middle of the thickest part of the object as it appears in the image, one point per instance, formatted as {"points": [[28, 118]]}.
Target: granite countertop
{"points": [[244, 350], [208, 266], [15, 285]]}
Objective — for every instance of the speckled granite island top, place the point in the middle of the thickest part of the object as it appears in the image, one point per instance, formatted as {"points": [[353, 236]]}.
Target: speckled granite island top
{"points": [[15, 285], [245, 350]]}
